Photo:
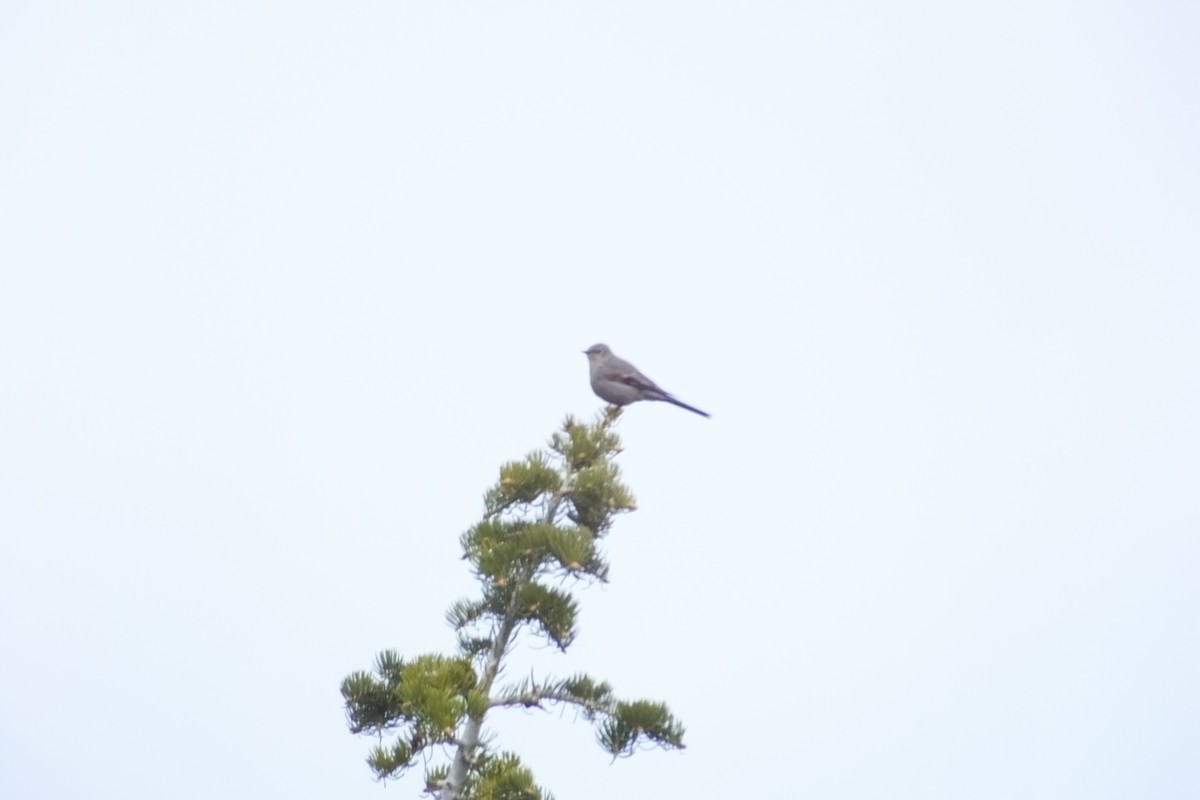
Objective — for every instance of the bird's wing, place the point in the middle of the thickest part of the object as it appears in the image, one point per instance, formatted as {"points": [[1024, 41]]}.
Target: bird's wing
{"points": [[631, 377]]}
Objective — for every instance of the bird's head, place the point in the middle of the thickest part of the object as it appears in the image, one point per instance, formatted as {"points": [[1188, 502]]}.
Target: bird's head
{"points": [[597, 351]]}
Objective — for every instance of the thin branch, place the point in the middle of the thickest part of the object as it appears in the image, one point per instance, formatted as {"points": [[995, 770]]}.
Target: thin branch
{"points": [[533, 698]]}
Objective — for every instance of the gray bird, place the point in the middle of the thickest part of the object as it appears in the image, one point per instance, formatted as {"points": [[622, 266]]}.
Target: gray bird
{"points": [[620, 383]]}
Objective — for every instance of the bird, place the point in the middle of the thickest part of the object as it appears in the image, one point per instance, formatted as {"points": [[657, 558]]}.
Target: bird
{"points": [[620, 383]]}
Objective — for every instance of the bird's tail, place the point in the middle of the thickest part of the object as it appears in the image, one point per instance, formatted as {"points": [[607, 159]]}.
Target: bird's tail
{"points": [[682, 404]]}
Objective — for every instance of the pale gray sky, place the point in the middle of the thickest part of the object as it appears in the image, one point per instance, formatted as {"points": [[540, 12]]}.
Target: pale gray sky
{"points": [[283, 284]]}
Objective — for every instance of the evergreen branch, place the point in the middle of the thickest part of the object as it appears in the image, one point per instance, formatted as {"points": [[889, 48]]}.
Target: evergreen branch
{"points": [[580, 691], [643, 721], [535, 698]]}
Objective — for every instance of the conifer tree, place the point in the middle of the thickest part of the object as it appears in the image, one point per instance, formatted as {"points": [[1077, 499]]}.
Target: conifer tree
{"points": [[540, 533]]}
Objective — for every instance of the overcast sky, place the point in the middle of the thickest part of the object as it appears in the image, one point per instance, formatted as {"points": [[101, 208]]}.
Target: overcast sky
{"points": [[283, 284]]}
